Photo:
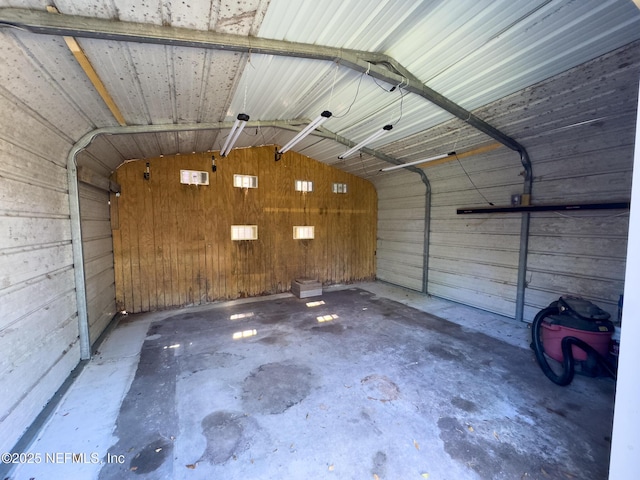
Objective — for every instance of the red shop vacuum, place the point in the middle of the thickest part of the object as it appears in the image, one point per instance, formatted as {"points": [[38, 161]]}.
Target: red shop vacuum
{"points": [[572, 334]]}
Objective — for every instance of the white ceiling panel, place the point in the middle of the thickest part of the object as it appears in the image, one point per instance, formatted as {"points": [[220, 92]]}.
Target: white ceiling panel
{"points": [[41, 93], [552, 39], [154, 69], [56, 62], [355, 24], [148, 145], [114, 64], [94, 8], [474, 52], [126, 145], [168, 142], [229, 17]]}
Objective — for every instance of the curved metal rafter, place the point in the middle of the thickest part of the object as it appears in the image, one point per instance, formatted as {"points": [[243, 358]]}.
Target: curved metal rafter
{"points": [[74, 194], [377, 65]]}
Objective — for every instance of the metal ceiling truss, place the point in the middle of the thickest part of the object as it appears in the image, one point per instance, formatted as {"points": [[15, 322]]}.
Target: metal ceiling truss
{"points": [[377, 65]]}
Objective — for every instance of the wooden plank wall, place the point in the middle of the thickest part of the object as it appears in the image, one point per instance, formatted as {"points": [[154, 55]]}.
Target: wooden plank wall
{"points": [[172, 242]]}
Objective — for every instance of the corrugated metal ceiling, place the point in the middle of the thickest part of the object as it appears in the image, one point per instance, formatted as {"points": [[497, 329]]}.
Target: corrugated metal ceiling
{"points": [[471, 51]]}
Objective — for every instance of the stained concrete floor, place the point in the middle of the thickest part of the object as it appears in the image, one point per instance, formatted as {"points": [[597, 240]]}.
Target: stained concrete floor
{"points": [[364, 385]]}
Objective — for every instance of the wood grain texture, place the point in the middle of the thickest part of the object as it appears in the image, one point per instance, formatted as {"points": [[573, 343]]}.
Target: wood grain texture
{"points": [[173, 246]]}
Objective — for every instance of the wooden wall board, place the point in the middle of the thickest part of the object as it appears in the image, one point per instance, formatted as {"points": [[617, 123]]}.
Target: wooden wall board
{"points": [[173, 243]]}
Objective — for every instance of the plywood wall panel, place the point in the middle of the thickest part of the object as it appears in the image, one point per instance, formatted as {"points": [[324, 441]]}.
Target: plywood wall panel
{"points": [[173, 242]]}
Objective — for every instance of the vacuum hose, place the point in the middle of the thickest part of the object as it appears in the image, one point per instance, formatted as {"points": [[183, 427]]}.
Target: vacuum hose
{"points": [[568, 362]]}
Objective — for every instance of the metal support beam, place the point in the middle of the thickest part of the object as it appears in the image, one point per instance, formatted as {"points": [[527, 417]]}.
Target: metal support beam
{"points": [[91, 73], [95, 79], [572, 207], [78, 260], [427, 207], [377, 65], [322, 132]]}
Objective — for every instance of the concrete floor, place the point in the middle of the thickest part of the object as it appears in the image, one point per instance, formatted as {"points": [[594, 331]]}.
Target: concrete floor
{"points": [[364, 385]]}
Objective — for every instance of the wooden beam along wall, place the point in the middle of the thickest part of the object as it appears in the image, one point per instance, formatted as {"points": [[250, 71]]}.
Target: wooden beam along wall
{"points": [[91, 73], [172, 242]]}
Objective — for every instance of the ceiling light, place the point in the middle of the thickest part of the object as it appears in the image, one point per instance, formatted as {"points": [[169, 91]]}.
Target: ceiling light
{"points": [[323, 117], [376, 135], [238, 125], [437, 157]]}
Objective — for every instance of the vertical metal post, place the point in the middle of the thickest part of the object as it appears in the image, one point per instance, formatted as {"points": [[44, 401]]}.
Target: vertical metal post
{"points": [[78, 257], [524, 237], [522, 265], [427, 234]]}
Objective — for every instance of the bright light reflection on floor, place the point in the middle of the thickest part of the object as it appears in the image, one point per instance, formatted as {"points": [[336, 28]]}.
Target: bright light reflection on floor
{"points": [[175, 345], [245, 334], [238, 316], [315, 304], [327, 318]]}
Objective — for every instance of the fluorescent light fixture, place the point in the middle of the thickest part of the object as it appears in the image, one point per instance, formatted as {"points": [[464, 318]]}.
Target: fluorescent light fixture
{"points": [[238, 125], [437, 157], [367, 140], [323, 117]]}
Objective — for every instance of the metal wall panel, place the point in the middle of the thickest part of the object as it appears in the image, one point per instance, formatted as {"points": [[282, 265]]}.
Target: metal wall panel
{"points": [[400, 242], [578, 128], [38, 315], [97, 247], [473, 259], [28, 79], [582, 146], [473, 52]]}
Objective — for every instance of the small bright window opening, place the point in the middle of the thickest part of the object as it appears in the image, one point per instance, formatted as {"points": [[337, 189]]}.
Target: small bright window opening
{"points": [[244, 232], [194, 177], [315, 304], [245, 334], [245, 181], [304, 186], [327, 318], [303, 232], [339, 188]]}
